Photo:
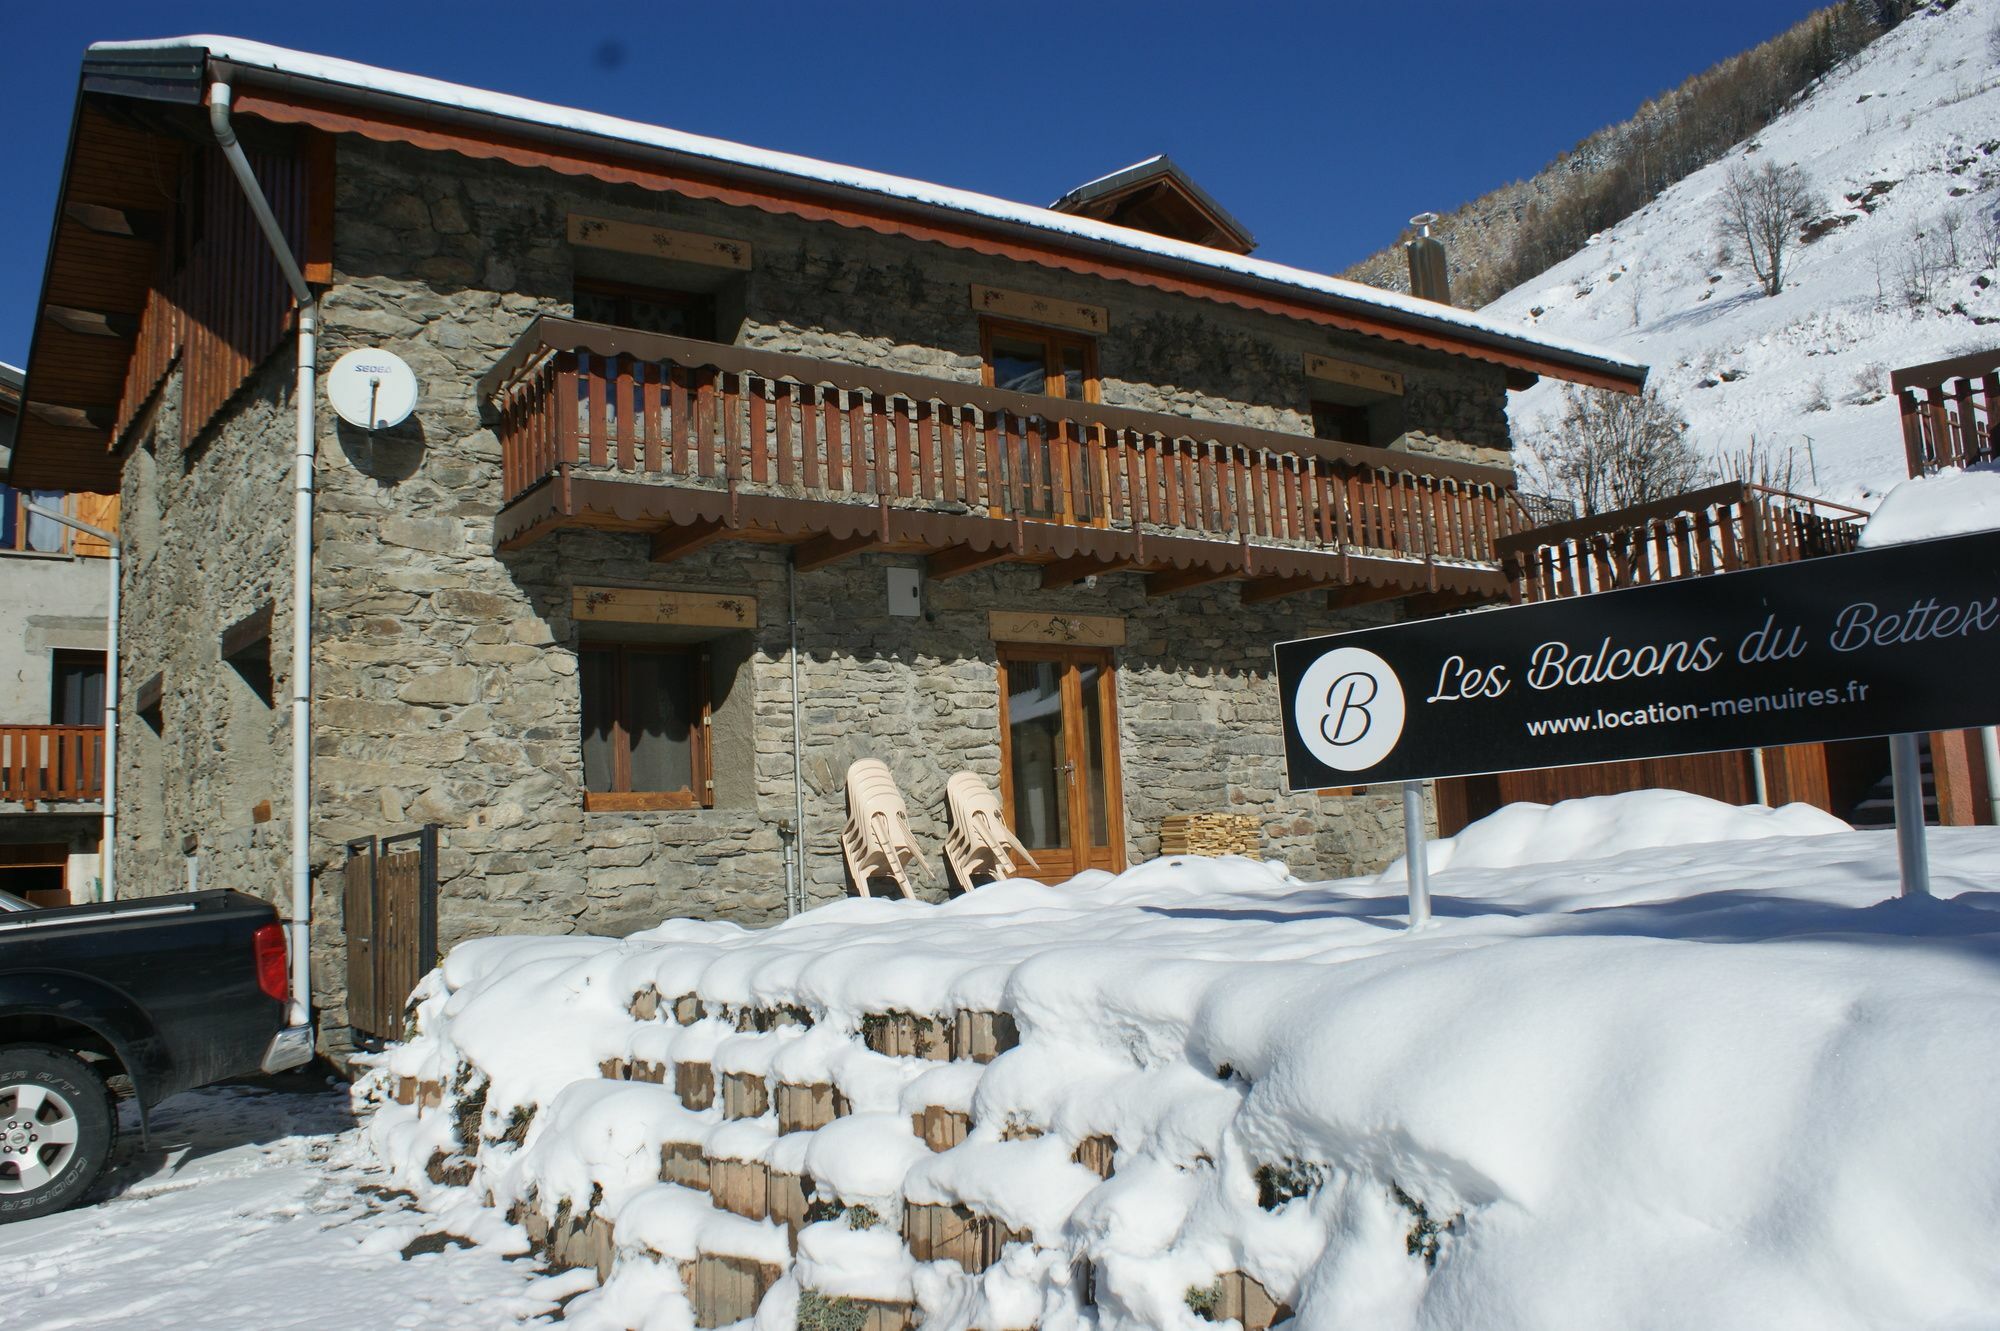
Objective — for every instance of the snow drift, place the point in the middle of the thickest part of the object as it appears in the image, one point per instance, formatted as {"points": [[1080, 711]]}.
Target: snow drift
{"points": [[1950, 503], [1716, 1084]]}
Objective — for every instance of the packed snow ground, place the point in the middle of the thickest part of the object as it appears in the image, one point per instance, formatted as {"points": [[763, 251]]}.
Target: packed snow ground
{"points": [[1718, 1083], [1807, 370], [256, 1209]]}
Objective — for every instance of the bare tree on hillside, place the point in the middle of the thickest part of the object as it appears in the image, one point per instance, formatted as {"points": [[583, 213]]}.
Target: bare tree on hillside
{"points": [[1762, 211], [1611, 450]]}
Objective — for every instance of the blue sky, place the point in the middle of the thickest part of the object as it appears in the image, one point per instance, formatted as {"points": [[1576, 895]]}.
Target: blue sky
{"points": [[1322, 126]]}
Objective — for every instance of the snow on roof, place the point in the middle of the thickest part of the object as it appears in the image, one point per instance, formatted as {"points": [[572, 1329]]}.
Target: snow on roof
{"points": [[252, 55], [1139, 165]]}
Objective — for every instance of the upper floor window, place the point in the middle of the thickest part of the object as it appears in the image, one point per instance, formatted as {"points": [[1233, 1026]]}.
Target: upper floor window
{"points": [[78, 689], [647, 309], [22, 530], [1343, 422], [1028, 359]]}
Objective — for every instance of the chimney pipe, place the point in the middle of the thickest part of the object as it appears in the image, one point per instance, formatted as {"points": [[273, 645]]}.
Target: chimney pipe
{"points": [[1429, 279]]}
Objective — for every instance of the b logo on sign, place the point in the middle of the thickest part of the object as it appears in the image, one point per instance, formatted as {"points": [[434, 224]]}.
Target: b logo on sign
{"points": [[1349, 709]]}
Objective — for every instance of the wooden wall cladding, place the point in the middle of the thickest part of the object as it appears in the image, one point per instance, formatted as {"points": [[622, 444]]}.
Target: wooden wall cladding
{"points": [[219, 303]]}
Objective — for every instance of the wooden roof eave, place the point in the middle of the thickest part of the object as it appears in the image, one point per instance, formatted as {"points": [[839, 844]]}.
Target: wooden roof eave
{"points": [[385, 118]]}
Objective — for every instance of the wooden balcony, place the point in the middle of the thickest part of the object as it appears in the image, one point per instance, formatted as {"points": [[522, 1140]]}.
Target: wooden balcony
{"points": [[1947, 410], [695, 441], [51, 764], [1713, 530]]}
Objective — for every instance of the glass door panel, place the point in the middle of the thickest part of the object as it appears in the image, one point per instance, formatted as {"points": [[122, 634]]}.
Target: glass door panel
{"points": [[1060, 778], [1092, 679], [1038, 748]]}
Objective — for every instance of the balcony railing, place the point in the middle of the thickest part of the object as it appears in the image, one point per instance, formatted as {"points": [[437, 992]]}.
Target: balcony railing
{"points": [[1713, 530], [51, 764], [585, 400], [1947, 410]]}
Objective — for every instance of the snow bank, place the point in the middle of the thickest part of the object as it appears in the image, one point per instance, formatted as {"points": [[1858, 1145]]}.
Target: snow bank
{"points": [[1950, 503], [1714, 1083], [1523, 834]]}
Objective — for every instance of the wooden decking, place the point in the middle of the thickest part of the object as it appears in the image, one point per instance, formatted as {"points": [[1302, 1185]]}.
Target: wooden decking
{"points": [[51, 764], [695, 441]]}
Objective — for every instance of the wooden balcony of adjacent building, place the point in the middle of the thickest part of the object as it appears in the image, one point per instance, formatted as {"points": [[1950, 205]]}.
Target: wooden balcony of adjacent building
{"points": [[43, 766], [1717, 529], [1947, 411], [691, 442]]}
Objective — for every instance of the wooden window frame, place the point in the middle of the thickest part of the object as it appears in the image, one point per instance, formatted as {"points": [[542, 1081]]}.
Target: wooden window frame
{"points": [[1051, 339], [627, 291], [701, 769], [1367, 410], [1076, 755], [63, 657]]}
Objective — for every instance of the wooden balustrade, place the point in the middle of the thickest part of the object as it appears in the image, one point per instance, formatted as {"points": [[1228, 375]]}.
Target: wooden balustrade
{"points": [[1947, 411], [1713, 530], [50, 764], [589, 400]]}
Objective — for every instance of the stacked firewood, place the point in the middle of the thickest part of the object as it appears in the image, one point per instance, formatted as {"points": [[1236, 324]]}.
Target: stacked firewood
{"points": [[1211, 834]]}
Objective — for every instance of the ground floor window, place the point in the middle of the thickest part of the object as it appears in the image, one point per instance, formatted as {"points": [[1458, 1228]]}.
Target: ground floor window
{"points": [[645, 726]]}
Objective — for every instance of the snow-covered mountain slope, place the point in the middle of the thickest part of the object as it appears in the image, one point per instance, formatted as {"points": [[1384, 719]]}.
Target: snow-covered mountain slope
{"points": [[1904, 135]]}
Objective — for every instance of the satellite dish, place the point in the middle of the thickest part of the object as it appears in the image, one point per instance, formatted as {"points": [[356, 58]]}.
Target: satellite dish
{"points": [[372, 390]]}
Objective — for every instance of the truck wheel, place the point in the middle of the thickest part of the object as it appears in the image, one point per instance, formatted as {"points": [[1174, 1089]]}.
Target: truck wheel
{"points": [[56, 1130]]}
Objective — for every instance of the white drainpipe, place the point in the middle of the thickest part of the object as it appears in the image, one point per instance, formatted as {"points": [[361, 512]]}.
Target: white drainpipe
{"points": [[107, 852], [304, 403]]}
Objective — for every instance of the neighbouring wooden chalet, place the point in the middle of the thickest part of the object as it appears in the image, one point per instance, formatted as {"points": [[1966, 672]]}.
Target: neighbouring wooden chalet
{"points": [[1024, 491], [1946, 408]]}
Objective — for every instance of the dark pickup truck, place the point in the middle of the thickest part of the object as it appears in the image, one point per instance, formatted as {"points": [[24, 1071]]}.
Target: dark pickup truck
{"points": [[158, 994]]}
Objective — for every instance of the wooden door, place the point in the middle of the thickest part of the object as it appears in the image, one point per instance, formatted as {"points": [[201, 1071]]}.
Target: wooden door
{"points": [[1059, 758]]}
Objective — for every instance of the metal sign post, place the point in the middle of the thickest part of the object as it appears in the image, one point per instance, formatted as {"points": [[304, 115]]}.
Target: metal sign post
{"points": [[1416, 854], [1906, 775]]}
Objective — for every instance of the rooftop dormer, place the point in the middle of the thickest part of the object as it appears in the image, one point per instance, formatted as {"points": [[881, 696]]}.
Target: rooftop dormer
{"points": [[1157, 196]]}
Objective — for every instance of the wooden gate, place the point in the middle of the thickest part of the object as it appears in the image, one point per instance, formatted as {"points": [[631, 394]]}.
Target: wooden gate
{"points": [[391, 924]]}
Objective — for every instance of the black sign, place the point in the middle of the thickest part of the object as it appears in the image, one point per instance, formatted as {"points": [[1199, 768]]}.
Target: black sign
{"points": [[1879, 642]]}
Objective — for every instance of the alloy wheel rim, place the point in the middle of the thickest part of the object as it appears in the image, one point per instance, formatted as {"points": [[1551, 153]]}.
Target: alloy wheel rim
{"points": [[38, 1136]]}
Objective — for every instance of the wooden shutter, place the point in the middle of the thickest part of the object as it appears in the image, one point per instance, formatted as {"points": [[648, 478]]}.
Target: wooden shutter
{"points": [[99, 511]]}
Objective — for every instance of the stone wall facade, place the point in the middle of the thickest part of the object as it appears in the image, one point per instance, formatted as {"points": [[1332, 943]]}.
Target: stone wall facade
{"points": [[446, 673]]}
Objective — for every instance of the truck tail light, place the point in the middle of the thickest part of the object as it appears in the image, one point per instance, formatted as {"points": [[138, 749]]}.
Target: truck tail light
{"points": [[269, 943]]}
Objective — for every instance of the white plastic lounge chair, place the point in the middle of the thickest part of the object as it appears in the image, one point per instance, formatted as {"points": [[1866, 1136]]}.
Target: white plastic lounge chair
{"points": [[980, 844], [877, 841]]}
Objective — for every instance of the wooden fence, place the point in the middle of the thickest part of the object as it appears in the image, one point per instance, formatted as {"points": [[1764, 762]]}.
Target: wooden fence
{"points": [[1947, 410], [1713, 530], [46, 764], [391, 926], [615, 402]]}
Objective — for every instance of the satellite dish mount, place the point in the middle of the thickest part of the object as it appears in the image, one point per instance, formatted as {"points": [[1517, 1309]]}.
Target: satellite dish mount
{"points": [[372, 390]]}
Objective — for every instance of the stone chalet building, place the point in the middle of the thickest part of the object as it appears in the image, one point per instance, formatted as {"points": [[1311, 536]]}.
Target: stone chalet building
{"points": [[1044, 486]]}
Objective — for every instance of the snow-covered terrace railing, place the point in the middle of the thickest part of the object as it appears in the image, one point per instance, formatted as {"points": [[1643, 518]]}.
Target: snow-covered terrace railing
{"points": [[1947, 409], [907, 462], [1713, 530]]}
